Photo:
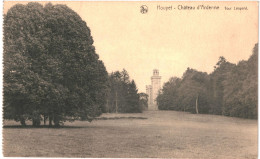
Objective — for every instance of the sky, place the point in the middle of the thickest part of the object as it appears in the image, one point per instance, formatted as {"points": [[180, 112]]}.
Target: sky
{"points": [[171, 40]]}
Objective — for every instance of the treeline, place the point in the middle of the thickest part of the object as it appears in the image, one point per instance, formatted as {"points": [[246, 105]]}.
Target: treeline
{"points": [[229, 90], [122, 94]]}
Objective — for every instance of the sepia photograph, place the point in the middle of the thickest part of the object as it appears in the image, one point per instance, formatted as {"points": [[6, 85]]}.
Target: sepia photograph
{"points": [[122, 79]]}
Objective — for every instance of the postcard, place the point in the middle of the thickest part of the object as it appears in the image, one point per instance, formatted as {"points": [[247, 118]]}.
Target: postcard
{"points": [[122, 79]]}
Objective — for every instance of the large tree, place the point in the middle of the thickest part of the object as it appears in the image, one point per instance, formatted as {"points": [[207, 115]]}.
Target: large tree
{"points": [[218, 79], [186, 94], [123, 95], [240, 92], [51, 68], [168, 98]]}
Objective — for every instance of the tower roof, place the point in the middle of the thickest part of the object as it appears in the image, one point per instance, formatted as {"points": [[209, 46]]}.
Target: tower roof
{"points": [[155, 72]]}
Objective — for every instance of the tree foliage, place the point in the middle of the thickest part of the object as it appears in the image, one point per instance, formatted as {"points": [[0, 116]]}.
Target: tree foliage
{"points": [[231, 89], [51, 68], [182, 94], [143, 101], [122, 95]]}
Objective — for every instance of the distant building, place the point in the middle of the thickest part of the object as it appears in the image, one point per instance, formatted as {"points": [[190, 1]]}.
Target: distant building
{"points": [[153, 90], [150, 96]]}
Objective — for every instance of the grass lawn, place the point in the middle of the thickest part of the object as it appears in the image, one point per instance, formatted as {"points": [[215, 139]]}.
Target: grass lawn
{"points": [[163, 134]]}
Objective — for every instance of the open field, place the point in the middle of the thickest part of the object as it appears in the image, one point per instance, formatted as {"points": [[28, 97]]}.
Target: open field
{"points": [[162, 134]]}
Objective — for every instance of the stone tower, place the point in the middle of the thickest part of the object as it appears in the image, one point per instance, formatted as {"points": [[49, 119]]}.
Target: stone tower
{"points": [[153, 90]]}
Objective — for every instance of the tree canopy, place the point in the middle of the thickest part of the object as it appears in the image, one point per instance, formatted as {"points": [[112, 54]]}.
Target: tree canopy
{"points": [[51, 68]]}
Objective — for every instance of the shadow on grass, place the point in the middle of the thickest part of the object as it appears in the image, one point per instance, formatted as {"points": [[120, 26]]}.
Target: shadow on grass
{"points": [[68, 126], [45, 126], [116, 118]]}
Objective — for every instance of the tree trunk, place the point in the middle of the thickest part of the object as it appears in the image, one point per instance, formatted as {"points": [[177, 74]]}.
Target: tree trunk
{"points": [[50, 120], [44, 119], [36, 122], [22, 121], [116, 102], [36, 119], [107, 106], [197, 109], [56, 120]]}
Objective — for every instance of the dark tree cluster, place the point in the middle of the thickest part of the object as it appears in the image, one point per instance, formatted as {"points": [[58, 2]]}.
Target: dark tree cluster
{"points": [[231, 90], [51, 69], [122, 95]]}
